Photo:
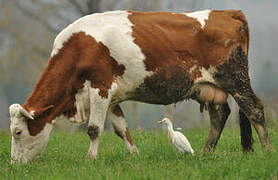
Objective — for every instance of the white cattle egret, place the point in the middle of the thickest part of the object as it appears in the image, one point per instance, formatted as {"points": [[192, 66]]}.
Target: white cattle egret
{"points": [[177, 138]]}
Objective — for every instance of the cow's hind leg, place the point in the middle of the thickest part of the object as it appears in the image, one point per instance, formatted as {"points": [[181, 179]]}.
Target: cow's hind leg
{"points": [[233, 76], [218, 118], [252, 108], [115, 114]]}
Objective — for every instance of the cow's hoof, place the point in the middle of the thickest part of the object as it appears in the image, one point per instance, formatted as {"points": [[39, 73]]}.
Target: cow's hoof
{"points": [[207, 150], [269, 148], [133, 150], [91, 156]]}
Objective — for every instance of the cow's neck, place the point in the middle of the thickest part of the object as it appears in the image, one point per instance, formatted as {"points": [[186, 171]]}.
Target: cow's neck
{"points": [[56, 86]]}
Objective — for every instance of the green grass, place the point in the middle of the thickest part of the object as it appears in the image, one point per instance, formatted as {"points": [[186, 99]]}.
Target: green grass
{"points": [[65, 158]]}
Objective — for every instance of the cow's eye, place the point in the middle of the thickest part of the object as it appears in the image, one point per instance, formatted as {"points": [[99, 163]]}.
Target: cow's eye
{"points": [[17, 133]]}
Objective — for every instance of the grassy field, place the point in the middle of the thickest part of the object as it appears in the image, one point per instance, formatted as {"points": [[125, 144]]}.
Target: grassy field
{"points": [[65, 158]]}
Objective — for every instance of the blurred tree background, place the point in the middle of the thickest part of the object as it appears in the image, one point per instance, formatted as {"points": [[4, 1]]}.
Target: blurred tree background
{"points": [[28, 29]]}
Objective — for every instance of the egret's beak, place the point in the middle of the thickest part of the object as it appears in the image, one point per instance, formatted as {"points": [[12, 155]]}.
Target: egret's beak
{"points": [[159, 122]]}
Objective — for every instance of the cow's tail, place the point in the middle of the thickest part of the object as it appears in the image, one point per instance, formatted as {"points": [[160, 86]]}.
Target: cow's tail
{"points": [[245, 132]]}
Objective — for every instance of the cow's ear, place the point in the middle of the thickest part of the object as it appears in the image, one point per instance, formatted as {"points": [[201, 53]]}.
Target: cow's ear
{"points": [[43, 111]]}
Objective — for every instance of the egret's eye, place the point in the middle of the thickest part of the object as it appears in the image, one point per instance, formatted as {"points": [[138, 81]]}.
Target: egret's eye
{"points": [[18, 133]]}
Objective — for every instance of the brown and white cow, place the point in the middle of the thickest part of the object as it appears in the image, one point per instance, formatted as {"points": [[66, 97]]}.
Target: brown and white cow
{"points": [[104, 59]]}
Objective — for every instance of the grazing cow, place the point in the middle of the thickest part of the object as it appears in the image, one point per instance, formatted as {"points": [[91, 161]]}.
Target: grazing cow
{"points": [[104, 59]]}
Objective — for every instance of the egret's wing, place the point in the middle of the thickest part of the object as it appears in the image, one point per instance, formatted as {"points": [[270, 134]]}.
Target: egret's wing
{"points": [[181, 142]]}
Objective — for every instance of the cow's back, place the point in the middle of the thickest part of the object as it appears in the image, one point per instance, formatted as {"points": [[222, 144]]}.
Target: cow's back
{"points": [[168, 38]]}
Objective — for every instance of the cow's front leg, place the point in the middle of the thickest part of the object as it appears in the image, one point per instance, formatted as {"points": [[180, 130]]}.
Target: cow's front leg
{"points": [[98, 110], [218, 118], [115, 114], [94, 133]]}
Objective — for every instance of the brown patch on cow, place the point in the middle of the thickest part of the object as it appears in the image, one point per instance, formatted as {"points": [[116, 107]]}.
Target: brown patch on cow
{"points": [[167, 38], [80, 59], [93, 132], [118, 111], [128, 137]]}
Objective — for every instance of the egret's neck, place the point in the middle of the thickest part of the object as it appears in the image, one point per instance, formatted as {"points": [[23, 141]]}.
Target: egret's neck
{"points": [[170, 127]]}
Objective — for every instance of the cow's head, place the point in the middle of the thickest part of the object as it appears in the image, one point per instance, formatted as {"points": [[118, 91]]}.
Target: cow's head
{"points": [[25, 145]]}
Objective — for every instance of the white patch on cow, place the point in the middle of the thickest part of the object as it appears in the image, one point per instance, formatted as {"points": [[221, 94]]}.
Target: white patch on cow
{"points": [[25, 147], [114, 30], [14, 110], [192, 69], [32, 112], [99, 105], [201, 16], [206, 75], [29, 147], [17, 109]]}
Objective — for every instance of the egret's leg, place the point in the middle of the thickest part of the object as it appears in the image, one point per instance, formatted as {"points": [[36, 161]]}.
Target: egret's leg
{"points": [[217, 121], [115, 114]]}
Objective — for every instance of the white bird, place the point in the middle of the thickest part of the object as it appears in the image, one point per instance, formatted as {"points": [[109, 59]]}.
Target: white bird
{"points": [[176, 137]]}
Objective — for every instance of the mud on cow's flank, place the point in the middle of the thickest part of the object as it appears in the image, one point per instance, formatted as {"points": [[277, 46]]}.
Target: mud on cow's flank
{"points": [[103, 59], [166, 86]]}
